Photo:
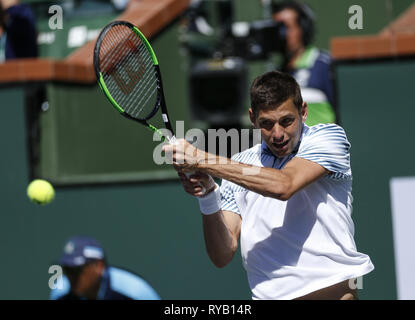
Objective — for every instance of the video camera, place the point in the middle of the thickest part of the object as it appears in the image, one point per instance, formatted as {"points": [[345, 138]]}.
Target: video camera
{"points": [[254, 40]]}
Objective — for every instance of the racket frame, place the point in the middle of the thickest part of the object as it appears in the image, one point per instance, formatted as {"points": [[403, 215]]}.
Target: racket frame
{"points": [[160, 100]]}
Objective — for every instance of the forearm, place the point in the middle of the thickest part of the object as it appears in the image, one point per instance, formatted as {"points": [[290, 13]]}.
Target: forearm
{"points": [[268, 182], [221, 243]]}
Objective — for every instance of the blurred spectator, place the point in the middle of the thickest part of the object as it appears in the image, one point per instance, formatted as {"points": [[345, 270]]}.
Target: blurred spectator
{"points": [[87, 276], [18, 36], [310, 66]]}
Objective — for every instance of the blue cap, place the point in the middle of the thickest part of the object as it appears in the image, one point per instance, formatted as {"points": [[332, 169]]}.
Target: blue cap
{"points": [[79, 250]]}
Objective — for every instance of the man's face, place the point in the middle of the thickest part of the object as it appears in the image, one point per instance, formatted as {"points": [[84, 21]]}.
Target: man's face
{"points": [[85, 279], [280, 127], [294, 33]]}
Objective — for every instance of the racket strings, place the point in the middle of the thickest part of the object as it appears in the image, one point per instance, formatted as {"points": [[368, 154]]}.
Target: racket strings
{"points": [[144, 98], [145, 89], [128, 71], [148, 88]]}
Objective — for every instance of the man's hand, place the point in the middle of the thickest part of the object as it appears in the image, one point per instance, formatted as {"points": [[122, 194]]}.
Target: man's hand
{"points": [[197, 183], [185, 160], [185, 156]]}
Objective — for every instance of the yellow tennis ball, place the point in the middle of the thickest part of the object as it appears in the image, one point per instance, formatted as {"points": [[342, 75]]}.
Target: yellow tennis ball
{"points": [[40, 191]]}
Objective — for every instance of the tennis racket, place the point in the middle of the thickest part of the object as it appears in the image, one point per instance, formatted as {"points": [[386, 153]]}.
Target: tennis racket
{"points": [[128, 73]]}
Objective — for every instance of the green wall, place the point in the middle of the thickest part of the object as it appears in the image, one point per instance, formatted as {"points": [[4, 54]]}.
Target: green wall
{"points": [[376, 108]]}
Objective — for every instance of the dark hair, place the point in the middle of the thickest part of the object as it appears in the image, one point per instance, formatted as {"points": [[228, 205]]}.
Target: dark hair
{"points": [[305, 19], [271, 89]]}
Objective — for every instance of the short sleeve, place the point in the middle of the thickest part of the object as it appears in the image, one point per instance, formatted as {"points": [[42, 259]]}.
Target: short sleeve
{"points": [[228, 189], [227, 194], [327, 145]]}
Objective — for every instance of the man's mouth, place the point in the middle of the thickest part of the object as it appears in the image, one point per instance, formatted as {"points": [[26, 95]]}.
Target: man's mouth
{"points": [[280, 145]]}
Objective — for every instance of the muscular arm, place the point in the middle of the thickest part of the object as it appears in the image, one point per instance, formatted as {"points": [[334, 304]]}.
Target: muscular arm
{"points": [[221, 231], [269, 182]]}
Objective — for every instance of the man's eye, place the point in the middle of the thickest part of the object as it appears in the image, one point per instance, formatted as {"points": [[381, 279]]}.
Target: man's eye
{"points": [[267, 124], [287, 121]]}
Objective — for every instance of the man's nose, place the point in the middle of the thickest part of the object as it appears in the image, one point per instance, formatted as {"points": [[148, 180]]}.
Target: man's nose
{"points": [[278, 133]]}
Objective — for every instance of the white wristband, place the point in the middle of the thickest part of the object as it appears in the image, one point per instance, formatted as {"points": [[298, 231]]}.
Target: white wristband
{"points": [[210, 203]]}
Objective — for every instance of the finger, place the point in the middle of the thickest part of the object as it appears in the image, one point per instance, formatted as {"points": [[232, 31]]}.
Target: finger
{"points": [[185, 181], [199, 192], [167, 148], [191, 191], [194, 180], [188, 184]]}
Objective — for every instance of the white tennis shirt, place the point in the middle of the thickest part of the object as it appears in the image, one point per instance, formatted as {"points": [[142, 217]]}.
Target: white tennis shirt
{"points": [[292, 248]]}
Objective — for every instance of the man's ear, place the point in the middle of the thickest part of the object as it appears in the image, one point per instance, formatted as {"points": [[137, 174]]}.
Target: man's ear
{"points": [[252, 117], [304, 111]]}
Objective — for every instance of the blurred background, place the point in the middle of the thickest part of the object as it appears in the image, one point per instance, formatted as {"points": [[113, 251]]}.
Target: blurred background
{"points": [[57, 125]]}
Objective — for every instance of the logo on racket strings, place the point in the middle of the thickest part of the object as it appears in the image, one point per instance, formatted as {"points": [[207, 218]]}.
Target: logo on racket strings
{"points": [[128, 68]]}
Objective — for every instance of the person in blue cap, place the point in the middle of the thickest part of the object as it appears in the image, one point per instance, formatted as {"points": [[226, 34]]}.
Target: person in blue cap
{"points": [[87, 276]]}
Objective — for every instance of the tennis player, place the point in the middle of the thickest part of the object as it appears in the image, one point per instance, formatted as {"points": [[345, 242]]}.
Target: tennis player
{"points": [[288, 199]]}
